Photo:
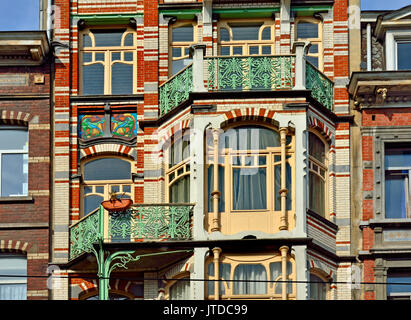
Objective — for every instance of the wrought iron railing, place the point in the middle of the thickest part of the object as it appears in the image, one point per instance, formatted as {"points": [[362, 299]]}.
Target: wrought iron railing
{"points": [[140, 222], [84, 234], [322, 88], [249, 73], [161, 222], [176, 90]]}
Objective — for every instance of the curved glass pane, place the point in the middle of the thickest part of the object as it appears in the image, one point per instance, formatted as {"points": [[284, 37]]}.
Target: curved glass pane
{"points": [[249, 138], [122, 78], [316, 147], [180, 190], [129, 40], [266, 34], [224, 35], [247, 277], [91, 203], [93, 79], [107, 169]]}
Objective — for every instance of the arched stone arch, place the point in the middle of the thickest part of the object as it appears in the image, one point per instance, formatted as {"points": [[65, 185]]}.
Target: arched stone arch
{"points": [[250, 114], [14, 246], [108, 148], [16, 117], [321, 127]]}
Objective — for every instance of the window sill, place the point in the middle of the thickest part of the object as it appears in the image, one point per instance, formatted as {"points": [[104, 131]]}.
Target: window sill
{"points": [[16, 199]]}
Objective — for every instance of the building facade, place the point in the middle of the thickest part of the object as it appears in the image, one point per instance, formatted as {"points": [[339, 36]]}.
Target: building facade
{"points": [[381, 104], [228, 124], [25, 168]]}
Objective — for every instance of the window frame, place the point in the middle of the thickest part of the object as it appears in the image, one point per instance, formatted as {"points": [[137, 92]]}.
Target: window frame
{"points": [[270, 172], [106, 184], [263, 259], [326, 280], [22, 280], [400, 40], [318, 41], [174, 169], [173, 281], [108, 56], [324, 166], [16, 151], [180, 44], [246, 44]]}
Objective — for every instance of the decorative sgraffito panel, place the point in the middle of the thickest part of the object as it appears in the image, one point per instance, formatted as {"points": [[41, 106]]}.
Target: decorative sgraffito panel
{"points": [[91, 126], [124, 125]]}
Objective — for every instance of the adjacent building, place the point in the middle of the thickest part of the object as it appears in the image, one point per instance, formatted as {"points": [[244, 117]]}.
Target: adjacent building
{"points": [[25, 166], [382, 107]]}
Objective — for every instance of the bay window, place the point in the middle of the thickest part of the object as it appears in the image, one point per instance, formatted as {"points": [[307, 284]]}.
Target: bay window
{"points": [[317, 150]]}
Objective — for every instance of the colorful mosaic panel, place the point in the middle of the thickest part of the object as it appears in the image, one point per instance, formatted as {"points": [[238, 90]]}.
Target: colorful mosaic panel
{"points": [[124, 125], [91, 126]]}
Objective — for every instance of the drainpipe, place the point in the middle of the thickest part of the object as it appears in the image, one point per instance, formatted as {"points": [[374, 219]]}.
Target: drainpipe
{"points": [[216, 253], [369, 52], [216, 193], [283, 191], [284, 251]]}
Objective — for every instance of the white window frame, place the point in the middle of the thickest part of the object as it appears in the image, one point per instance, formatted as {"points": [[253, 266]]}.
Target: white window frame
{"points": [[14, 151], [392, 37]]}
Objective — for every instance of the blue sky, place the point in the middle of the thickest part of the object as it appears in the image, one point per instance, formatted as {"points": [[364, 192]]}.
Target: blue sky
{"points": [[24, 14]]}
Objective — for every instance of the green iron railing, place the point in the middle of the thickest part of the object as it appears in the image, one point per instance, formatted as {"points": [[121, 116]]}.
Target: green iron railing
{"points": [[151, 222], [176, 90], [322, 88], [140, 222], [249, 73]]}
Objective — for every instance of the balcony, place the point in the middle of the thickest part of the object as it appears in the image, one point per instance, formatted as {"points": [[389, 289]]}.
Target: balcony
{"points": [[147, 222], [245, 73]]}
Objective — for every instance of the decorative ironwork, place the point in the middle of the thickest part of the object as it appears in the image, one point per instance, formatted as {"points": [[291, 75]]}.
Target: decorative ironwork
{"points": [[322, 88], [250, 73], [176, 90], [84, 234], [151, 222]]}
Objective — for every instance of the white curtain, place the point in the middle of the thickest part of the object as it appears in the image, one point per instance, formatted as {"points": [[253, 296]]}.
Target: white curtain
{"points": [[247, 279], [180, 290], [13, 291]]}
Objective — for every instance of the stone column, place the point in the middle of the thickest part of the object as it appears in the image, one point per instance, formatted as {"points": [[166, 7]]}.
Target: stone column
{"points": [[197, 54], [284, 251], [216, 253], [300, 48]]}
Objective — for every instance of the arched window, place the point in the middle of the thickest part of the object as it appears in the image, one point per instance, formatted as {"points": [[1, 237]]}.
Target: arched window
{"points": [[318, 288], [103, 176], [317, 149], [311, 29], [250, 169], [182, 35], [179, 289], [178, 171]]}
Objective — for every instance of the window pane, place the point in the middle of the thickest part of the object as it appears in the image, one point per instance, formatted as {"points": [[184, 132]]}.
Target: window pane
{"points": [[91, 203], [266, 50], [180, 290], [87, 57], [225, 51], [307, 30], [180, 64], [99, 56], [318, 288], [313, 60], [266, 34], [317, 194], [179, 150], [176, 52], [107, 38], [253, 50], [398, 284], [221, 204], [122, 79], [397, 157], [247, 277], [180, 190], [249, 189], [13, 288], [14, 169], [404, 55], [107, 169], [129, 40], [128, 56], [183, 34], [395, 197], [14, 139], [224, 35], [314, 48], [316, 147], [249, 138], [225, 271], [237, 50], [86, 40], [245, 32], [93, 79], [116, 56]]}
